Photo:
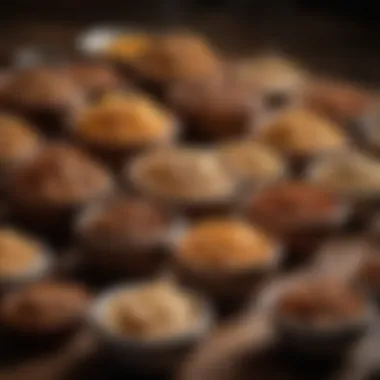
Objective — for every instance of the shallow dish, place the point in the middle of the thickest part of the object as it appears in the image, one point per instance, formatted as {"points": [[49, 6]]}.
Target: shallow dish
{"points": [[228, 280], [150, 356], [325, 340]]}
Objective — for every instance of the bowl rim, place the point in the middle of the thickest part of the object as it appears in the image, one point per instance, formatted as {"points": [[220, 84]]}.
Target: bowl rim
{"points": [[347, 193], [134, 172], [274, 261], [283, 171], [98, 310], [271, 294], [174, 226], [339, 214], [172, 134]]}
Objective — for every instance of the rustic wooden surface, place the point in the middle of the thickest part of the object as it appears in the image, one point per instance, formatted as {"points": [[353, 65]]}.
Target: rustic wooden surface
{"points": [[247, 349]]}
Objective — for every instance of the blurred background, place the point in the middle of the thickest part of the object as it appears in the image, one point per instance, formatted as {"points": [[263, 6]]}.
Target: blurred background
{"points": [[336, 36]]}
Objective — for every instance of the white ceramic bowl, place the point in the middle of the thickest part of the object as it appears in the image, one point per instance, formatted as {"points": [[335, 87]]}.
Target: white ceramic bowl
{"points": [[159, 355]]}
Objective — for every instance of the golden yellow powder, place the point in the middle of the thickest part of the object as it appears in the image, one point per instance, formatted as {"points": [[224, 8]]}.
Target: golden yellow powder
{"points": [[301, 132], [120, 121], [17, 253], [225, 244], [129, 47], [17, 140]]}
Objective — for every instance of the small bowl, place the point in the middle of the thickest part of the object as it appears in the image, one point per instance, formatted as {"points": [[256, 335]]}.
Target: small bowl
{"points": [[46, 96], [230, 203], [121, 256], [228, 288], [52, 215], [116, 157], [253, 179], [154, 356], [279, 81], [364, 204], [214, 108], [42, 268], [287, 133], [301, 238], [39, 334], [325, 341]]}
